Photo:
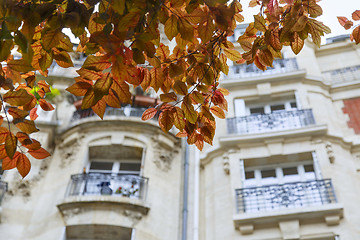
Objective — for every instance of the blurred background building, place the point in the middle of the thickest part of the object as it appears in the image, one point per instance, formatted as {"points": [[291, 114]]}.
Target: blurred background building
{"points": [[284, 165]]}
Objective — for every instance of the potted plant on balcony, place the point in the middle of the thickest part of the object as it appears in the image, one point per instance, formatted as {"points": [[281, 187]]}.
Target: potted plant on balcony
{"points": [[127, 192]]}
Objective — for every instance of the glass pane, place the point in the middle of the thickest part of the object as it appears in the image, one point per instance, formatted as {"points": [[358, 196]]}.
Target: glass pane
{"points": [[249, 175], [290, 171], [268, 173], [259, 110], [107, 166], [309, 168], [277, 107], [293, 105], [130, 166]]}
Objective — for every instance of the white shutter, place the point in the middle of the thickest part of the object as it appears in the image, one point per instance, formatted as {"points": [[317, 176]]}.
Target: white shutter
{"points": [[239, 107]]}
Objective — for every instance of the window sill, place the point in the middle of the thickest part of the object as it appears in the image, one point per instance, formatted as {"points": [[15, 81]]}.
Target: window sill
{"points": [[330, 213], [314, 130]]}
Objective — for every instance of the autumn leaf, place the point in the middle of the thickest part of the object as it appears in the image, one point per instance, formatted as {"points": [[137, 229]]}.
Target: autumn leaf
{"points": [[189, 111], [17, 113], [10, 144], [148, 114], [46, 106], [40, 153], [217, 112], [356, 15], [10, 163], [346, 23], [19, 65], [180, 87], [3, 134], [99, 108], [356, 34], [232, 54], [51, 39], [23, 164], [79, 88], [170, 28], [168, 97], [166, 120], [179, 118], [27, 126], [17, 97], [297, 44]]}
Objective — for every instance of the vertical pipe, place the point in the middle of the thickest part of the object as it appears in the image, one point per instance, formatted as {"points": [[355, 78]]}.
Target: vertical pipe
{"points": [[196, 194], [185, 194]]}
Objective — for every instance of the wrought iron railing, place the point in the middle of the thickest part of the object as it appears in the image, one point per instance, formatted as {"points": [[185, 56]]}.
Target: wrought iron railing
{"points": [[280, 66], [275, 121], [98, 183], [284, 196], [3, 189], [126, 111], [343, 74]]}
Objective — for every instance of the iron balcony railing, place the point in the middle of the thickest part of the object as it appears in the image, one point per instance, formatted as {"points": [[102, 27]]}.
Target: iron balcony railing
{"points": [[98, 183], [279, 66], [285, 196], [126, 111], [3, 189], [275, 121], [343, 74]]}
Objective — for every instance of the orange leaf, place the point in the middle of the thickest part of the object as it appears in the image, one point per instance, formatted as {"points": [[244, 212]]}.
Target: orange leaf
{"points": [[51, 39], [17, 97], [112, 99], [17, 113], [188, 108], [39, 154], [148, 114], [168, 97], [10, 163], [89, 74], [23, 165], [356, 34], [181, 134], [346, 23], [1, 120], [96, 63], [217, 112], [265, 57], [33, 114], [199, 143], [23, 138], [2, 151], [46, 106], [157, 78], [166, 120], [94, 26], [3, 134], [121, 88], [99, 108], [197, 97], [10, 144], [179, 118], [356, 15], [79, 88], [297, 44], [27, 126]]}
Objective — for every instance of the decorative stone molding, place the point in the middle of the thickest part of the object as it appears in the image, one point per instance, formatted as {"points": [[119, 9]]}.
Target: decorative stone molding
{"points": [[246, 229], [226, 163], [134, 216], [330, 152], [163, 154], [68, 150]]}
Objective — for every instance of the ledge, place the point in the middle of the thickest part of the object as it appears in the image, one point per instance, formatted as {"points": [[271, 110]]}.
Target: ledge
{"points": [[232, 81], [330, 213], [99, 209], [314, 130]]}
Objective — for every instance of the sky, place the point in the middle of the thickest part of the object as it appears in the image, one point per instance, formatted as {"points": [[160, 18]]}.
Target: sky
{"points": [[331, 9]]}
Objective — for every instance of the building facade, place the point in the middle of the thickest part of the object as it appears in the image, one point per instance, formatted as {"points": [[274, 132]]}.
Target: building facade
{"points": [[284, 165]]}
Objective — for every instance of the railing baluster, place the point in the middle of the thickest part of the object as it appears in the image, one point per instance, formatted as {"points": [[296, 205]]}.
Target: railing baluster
{"points": [[275, 121], [281, 196]]}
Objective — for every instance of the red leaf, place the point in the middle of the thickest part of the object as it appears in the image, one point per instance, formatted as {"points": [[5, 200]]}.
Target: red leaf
{"points": [[33, 114], [46, 106], [148, 114], [39, 154], [10, 163], [356, 15], [23, 165], [166, 120]]}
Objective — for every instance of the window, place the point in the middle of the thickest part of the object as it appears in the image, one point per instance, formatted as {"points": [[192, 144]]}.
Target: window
{"points": [[279, 182]]}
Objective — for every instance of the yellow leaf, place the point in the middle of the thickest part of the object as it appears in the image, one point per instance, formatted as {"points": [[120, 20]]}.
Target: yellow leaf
{"points": [[171, 27], [27, 126], [232, 54], [166, 120], [217, 112], [189, 111], [297, 44]]}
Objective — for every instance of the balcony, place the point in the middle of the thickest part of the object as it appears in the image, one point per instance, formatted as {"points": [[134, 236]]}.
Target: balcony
{"points": [[109, 184], [101, 194], [248, 71], [299, 200], [343, 75], [289, 195], [276, 121]]}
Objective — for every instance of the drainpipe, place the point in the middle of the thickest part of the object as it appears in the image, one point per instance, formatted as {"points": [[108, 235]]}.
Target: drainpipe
{"points": [[185, 195], [196, 194]]}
